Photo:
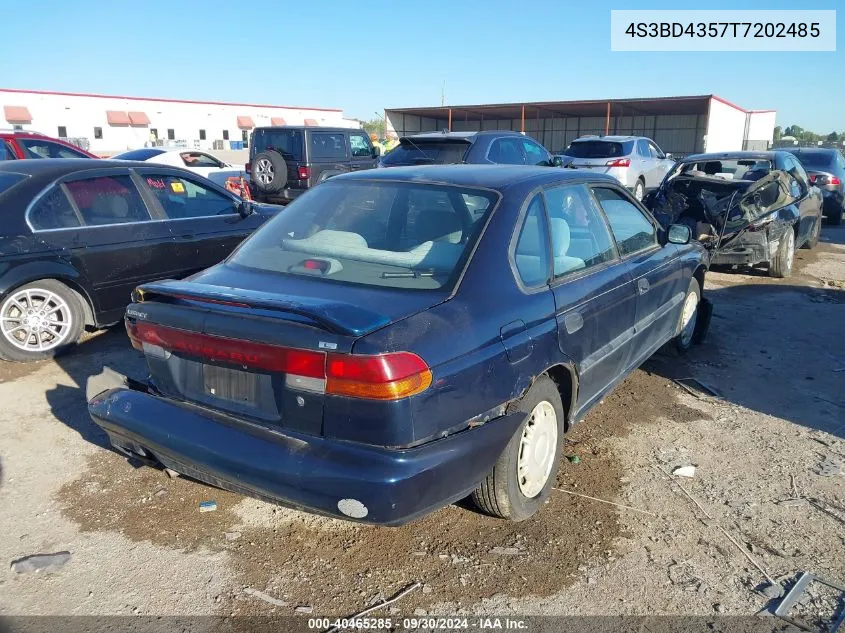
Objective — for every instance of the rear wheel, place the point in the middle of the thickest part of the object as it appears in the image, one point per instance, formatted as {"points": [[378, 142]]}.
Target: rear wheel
{"points": [[781, 264], [639, 190], [39, 320], [687, 321], [524, 475]]}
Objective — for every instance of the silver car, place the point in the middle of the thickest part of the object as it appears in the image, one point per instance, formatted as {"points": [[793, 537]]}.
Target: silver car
{"points": [[635, 161]]}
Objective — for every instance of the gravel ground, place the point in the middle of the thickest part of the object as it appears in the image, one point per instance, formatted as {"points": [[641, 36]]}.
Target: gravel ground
{"points": [[769, 458]]}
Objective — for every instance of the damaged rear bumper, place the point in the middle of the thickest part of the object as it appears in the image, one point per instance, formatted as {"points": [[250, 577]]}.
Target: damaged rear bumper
{"points": [[751, 249], [342, 479]]}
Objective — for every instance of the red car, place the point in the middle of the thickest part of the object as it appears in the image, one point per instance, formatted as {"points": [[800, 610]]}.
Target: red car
{"points": [[19, 144]]}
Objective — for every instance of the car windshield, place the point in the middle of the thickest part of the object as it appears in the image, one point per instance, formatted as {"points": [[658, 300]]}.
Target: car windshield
{"points": [[599, 149], [399, 235], [410, 152], [138, 154], [9, 180], [287, 142], [729, 169], [815, 160]]}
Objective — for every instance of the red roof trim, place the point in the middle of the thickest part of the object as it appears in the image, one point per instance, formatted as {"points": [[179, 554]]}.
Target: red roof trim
{"points": [[223, 103]]}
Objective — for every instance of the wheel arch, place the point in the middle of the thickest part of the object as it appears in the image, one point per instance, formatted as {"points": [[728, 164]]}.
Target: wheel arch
{"points": [[38, 271], [566, 379]]}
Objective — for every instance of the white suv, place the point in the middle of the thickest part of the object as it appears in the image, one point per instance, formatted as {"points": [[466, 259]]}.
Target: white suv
{"points": [[635, 161]]}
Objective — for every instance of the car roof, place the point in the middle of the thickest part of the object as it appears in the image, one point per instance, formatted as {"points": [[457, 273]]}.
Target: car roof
{"points": [[613, 139], [315, 128], [468, 135], [58, 167], [498, 177], [698, 158], [811, 150]]}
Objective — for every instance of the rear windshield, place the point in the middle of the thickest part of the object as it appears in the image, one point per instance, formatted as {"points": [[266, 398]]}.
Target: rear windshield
{"points": [[599, 149], [287, 142], [745, 169], [426, 153], [815, 160], [398, 235], [138, 154], [9, 180]]}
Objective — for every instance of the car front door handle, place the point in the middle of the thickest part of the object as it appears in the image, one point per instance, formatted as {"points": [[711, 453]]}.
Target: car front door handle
{"points": [[643, 285]]}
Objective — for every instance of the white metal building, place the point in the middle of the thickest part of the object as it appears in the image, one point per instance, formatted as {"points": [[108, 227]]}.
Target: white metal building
{"points": [[106, 124], [679, 125]]}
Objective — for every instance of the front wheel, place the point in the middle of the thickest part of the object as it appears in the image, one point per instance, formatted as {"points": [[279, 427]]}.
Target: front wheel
{"points": [[836, 218], [38, 321], [523, 477], [781, 264]]}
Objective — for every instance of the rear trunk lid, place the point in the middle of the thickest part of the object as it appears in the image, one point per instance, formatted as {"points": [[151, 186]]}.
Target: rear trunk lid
{"points": [[259, 350]]}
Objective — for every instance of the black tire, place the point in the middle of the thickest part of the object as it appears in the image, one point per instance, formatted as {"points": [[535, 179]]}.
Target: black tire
{"points": [[640, 184], [685, 338], [67, 321], [500, 494], [269, 172], [813, 240], [781, 264], [836, 218]]}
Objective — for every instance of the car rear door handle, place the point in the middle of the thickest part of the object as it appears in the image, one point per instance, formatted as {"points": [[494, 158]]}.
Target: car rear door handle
{"points": [[643, 285]]}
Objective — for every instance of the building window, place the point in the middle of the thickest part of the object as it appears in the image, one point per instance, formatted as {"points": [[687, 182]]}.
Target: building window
{"points": [[202, 135], [225, 135], [245, 137], [171, 134], [98, 132], [17, 127], [62, 131]]}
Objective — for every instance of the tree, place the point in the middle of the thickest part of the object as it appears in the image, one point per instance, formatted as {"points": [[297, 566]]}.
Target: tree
{"points": [[794, 130], [833, 137], [778, 132], [374, 126]]}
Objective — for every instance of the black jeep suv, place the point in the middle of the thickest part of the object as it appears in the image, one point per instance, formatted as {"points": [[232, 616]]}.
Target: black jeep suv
{"points": [[285, 161]]}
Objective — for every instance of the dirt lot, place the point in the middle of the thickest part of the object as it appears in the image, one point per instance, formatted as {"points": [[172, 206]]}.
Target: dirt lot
{"points": [[140, 545]]}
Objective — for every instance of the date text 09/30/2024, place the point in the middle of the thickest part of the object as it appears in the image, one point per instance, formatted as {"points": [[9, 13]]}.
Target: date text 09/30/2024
{"points": [[419, 623]]}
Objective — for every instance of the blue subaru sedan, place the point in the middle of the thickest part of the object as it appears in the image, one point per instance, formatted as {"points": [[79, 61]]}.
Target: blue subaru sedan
{"points": [[396, 340]]}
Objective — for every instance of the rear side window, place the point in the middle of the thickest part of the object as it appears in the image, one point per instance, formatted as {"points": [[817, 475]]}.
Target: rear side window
{"points": [[6, 152], [182, 198], [532, 247], [7, 181], [631, 228], [53, 211], [138, 154], [410, 152], [287, 142], [108, 200], [327, 146], [600, 149], [400, 235], [816, 160], [36, 148], [198, 159]]}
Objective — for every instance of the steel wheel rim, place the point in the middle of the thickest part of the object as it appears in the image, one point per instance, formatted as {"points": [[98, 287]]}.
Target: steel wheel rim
{"points": [[688, 318], [264, 171], [537, 448], [790, 250], [35, 320]]}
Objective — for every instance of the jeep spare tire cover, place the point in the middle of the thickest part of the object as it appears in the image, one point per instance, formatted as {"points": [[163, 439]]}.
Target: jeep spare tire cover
{"points": [[269, 172]]}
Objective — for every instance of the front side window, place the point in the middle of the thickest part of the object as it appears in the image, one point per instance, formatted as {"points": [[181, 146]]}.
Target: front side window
{"points": [[107, 200], [534, 153], [507, 151], [656, 151], [359, 145], [580, 237], [182, 198], [53, 211], [36, 148], [632, 230], [198, 159], [414, 236], [328, 146], [532, 247]]}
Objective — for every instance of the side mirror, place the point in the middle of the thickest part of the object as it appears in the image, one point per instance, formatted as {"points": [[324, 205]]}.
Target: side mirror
{"points": [[679, 234], [669, 156], [376, 151], [245, 208], [557, 161]]}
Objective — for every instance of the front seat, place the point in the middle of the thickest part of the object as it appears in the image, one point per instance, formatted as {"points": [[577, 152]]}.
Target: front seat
{"points": [[560, 241]]}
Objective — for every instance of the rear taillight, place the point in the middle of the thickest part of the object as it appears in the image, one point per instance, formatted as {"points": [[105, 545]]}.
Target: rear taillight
{"points": [[379, 377], [812, 178], [303, 173], [833, 180], [619, 162], [248, 167]]}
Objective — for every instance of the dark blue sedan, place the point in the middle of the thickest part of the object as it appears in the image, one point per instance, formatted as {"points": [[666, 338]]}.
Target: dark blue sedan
{"points": [[399, 339]]}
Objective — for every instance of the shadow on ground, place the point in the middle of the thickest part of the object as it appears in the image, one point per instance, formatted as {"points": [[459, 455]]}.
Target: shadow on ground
{"points": [[774, 349]]}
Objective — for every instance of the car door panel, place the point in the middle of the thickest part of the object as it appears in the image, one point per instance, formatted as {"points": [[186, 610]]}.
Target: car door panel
{"points": [[361, 151]]}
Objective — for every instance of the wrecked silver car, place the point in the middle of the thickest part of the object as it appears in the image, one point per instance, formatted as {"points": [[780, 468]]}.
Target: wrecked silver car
{"points": [[747, 208]]}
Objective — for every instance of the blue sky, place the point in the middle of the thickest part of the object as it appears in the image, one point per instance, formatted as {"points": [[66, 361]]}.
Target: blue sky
{"points": [[363, 56]]}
